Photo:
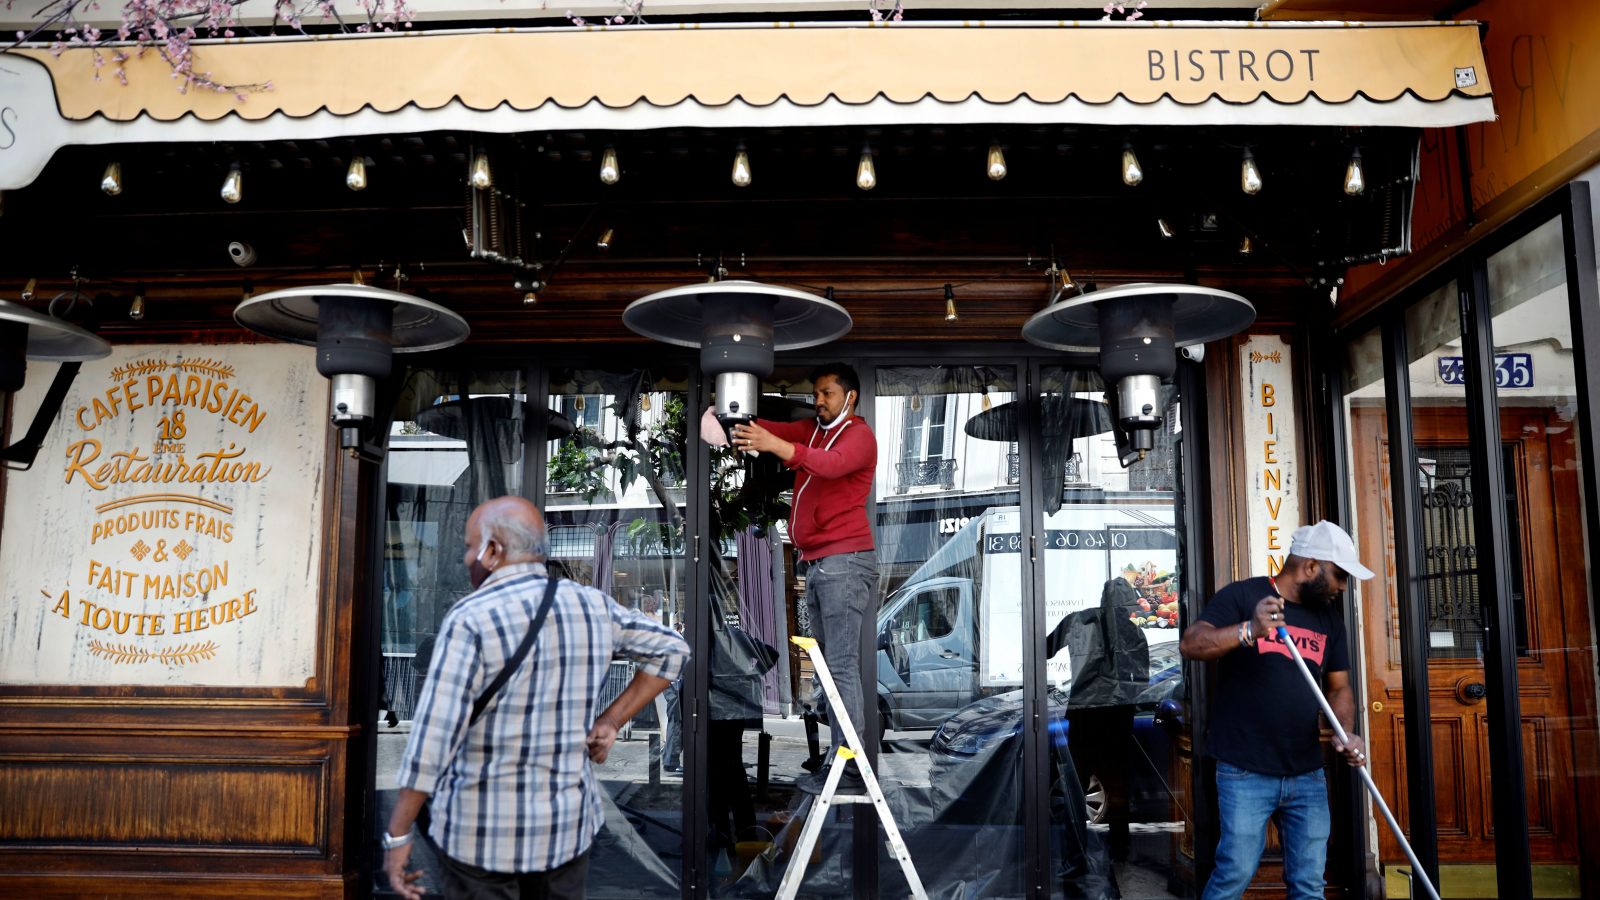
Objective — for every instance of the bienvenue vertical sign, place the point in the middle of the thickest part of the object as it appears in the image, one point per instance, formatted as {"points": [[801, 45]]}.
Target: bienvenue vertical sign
{"points": [[1266, 379], [168, 532]]}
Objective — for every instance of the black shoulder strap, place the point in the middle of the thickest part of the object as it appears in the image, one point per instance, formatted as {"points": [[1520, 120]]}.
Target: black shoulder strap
{"points": [[521, 654]]}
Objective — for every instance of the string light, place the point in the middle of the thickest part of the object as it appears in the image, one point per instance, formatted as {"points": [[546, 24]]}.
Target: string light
{"points": [[111, 181], [233, 185], [866, 173], [610, 172], [950, 314], [741, 167], [355, 177], [997, 163], [479, 176], [1355, 176], [1249, 174], [1132, 172]]}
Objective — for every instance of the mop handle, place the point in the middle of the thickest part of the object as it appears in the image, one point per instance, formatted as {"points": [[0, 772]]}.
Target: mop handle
{"points": [[1417, 872]]}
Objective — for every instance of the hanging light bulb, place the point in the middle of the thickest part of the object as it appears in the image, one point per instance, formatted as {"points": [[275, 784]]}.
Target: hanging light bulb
{"points": [[233, 186], [950, 314], [1164, 228], [866, 173], [644, 402], [136, 308], [1249, 175], [604, 241], [577, 404], [1132, 172], [1066, 287], [1355, 176], [111, 181], [355, 177], [741, 167], [531, 298], [479, 176], [610, 172], [997, 163], [987, 403], [916, 402], [1246, 247]]}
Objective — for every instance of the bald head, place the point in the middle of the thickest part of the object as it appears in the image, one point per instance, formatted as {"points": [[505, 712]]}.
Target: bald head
{"points": [[510, 528]]}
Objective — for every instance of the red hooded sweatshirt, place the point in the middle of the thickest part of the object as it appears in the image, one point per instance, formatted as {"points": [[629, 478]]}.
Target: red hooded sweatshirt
{"points": [[833, 476]]}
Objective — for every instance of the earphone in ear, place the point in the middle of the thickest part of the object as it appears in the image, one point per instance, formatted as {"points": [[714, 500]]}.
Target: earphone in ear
{"points": [[483, 549]]}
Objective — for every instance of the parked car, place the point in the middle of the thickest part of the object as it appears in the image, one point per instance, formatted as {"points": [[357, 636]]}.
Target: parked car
{"points": [[975, 767]]}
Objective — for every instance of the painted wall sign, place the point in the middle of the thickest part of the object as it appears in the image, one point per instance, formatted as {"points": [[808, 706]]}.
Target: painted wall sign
{"points": [[168, 533], [1266, 378]]}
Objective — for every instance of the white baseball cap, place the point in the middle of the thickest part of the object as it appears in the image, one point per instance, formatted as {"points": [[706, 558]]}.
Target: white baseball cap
{"points": [[1329, 543]]}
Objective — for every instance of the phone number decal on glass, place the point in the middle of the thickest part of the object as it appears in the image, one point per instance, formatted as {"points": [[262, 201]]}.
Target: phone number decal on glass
{"points": [[1511, 370]]}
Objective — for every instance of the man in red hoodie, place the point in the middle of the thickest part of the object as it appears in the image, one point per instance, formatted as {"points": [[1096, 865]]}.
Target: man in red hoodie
{"points": [[833, 459]]}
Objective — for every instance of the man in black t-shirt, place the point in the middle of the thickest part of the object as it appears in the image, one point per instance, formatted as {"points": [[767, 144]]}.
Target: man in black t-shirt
{"points": [[1265, 727]]}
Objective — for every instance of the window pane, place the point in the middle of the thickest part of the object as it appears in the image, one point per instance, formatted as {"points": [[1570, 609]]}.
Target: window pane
{"points": [[1119, 791], [456, 442], [614, 504], [1535, 384]]}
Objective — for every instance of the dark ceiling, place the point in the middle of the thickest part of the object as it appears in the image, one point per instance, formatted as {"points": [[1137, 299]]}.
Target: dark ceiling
{"points": [[934, 216]]}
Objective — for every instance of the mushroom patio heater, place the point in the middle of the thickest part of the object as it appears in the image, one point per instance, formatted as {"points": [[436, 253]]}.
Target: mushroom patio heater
{"points": [[737, 325], [356, 328], [1137, 329], [25, 335], [502, 419]]}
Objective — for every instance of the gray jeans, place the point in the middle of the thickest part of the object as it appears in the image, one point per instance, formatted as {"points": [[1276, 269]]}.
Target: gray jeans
{"points": [[840, 591]]}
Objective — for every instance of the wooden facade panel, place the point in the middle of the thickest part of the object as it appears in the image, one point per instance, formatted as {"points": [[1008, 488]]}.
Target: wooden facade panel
{"points": [[193, 804]]}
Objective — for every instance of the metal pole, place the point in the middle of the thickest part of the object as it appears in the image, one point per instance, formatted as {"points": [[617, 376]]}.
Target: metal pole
{"points": [[1417, 871]]}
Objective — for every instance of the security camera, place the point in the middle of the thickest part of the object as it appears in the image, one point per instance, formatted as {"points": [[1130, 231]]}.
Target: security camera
{"points": [[1193, 352], [243, 254]]}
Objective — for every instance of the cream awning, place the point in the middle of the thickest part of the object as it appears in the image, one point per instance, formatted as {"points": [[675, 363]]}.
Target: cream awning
{"points": [[1148, 74]]}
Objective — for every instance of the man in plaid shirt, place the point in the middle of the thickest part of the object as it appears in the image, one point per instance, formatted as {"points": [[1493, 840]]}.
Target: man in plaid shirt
{"points": [[515, 803]]}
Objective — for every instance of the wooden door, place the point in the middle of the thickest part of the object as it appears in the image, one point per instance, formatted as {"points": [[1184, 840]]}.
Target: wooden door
{"points": [[1554, 659]]}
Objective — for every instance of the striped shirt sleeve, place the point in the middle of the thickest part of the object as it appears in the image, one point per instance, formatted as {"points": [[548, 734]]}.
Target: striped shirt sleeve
{"points": [[657, 649], [455, 676]]}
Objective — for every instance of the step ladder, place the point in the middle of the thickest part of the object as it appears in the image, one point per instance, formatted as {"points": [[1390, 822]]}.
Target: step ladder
{"points": [[830, 796]]}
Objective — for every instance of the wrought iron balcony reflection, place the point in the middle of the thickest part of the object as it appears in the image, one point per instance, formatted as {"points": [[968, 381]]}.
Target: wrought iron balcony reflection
{"points": [[1073, 472], [926, 472]]}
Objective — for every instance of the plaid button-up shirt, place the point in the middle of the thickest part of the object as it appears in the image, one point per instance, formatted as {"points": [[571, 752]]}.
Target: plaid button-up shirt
{"points": [[515, 792]]}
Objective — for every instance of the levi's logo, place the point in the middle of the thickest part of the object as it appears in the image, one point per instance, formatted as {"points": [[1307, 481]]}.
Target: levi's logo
{"points": [[1311, 643]]}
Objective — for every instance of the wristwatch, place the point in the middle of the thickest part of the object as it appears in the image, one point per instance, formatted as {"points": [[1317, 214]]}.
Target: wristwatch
{"points": [[390, 842]]}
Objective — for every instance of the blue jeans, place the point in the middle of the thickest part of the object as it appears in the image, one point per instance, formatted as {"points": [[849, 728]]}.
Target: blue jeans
{"points": [[1245, 801], [840, 589]]}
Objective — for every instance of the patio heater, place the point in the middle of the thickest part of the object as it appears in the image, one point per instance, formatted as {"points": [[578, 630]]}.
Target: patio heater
{"points": [[1137, 330], [356, 329], [504, 420], [25, 335], [737, 325]]}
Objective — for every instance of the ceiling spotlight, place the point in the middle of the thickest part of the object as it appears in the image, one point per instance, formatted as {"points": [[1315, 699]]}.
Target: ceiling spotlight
{"points": [[1249, 175], [355, 177], [997, 163], [604, 241], [136, 308], [1164, 228], [479, 176], [950, 314], [233, 185], [111, 181], [1355, 176], [866, 173], [1132, 172], [741, 167], [610, 172], [1245, 246]]}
